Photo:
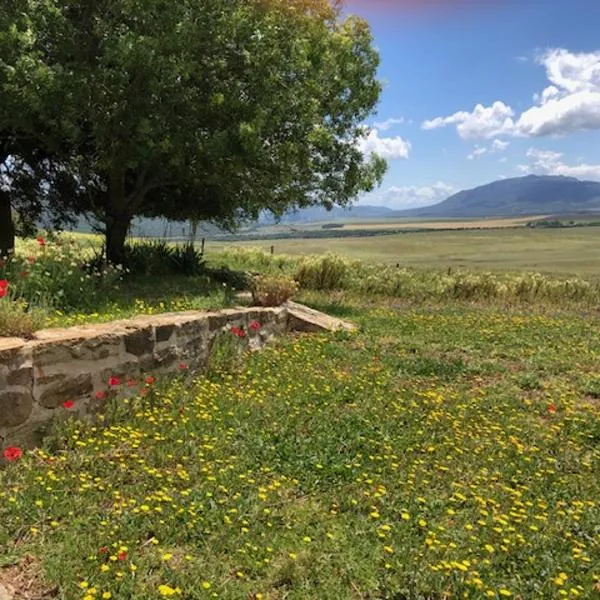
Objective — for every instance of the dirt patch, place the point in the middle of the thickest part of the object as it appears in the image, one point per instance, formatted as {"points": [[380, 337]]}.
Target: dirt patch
{"points": [[592, 400], [23, 580]]}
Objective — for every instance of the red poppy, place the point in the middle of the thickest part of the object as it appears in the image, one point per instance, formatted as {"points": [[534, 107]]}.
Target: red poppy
{"points": [[100, 395], [551, 408], [255, 325], [103, 550], [122, 555], [69, 404], [150, 380], [239, 332], [41, 241], [182, 367], [3, 287], [12, 453], [113, 381], [131, 383]]}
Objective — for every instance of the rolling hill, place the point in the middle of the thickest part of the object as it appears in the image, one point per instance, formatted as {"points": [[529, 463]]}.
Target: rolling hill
{"points": [[530, 195], [519, 196]]}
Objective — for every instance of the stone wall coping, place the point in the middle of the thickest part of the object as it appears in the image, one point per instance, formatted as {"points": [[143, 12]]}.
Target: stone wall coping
{"points": [[11, 343], [122, 326]]}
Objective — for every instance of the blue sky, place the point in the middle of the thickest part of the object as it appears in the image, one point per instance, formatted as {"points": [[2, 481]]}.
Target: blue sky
{"points": [[479, 90]]}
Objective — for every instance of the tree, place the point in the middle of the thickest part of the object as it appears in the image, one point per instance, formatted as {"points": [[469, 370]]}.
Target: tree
{"points": [[33, 118], [209, 109]]}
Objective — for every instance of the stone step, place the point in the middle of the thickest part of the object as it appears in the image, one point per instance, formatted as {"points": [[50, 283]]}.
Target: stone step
{"points": [[305, 319]]}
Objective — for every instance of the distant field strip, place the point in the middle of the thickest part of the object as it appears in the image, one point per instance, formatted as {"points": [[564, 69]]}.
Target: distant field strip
{"points": [[561, 251]]}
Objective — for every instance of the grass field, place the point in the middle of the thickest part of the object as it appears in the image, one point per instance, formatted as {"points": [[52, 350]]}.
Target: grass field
{"points": [[438, 453], [560, 251], [385, 224]]}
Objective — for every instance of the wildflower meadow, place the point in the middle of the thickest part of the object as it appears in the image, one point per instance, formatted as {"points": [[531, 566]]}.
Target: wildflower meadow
{"points": [[437, 452]]}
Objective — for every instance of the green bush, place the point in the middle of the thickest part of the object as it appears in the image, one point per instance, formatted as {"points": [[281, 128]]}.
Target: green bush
{"points": [[162, 258], [270, 290], [324, 273]]}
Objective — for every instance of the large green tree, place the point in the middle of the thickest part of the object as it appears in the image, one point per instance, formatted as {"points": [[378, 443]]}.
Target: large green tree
{"points": [[206, 109], [36, 122]]}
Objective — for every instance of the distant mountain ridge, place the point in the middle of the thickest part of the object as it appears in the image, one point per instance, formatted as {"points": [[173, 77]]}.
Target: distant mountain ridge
{"points": [[318, 213], [518, 196]]}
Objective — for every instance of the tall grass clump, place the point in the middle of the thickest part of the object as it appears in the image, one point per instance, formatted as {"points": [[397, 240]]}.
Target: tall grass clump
{"points": [[324, 273], [255, 260], [18, 319]]}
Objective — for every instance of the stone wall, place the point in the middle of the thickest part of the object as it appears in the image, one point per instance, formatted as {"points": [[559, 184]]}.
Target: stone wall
{"points": [[76, 364]]}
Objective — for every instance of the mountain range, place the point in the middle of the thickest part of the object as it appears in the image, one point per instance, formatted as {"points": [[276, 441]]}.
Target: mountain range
{"points": [[519, 196]]}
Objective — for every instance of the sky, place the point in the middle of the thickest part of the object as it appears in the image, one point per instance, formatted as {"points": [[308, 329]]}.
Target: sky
{"points": [[479, 90]]}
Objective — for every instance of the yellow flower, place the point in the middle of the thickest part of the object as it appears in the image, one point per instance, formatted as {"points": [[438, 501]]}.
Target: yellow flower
{"points": [[106, 595], [206, 585], [166, 590], [167, 556]]}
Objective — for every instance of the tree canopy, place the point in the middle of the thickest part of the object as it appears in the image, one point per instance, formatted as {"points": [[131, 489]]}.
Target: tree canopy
{"points": [[195, 109]]}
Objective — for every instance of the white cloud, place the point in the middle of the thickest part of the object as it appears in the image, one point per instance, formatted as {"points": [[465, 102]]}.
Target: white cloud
{"points": [[548, 162], [389, 123], [496, 146], [499, 146], [483, 122], [410, 196], [570, 103], [388, 148], [477, 153]]}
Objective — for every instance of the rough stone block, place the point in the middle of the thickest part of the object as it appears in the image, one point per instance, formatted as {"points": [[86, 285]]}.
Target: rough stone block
{"points": [[15, 408], [140, 342], [52, 391], [22, 377], [164, 332]]}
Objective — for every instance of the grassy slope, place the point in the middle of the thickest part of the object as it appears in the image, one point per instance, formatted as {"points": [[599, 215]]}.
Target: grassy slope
{"points": [[419, 460], [562, 251]]}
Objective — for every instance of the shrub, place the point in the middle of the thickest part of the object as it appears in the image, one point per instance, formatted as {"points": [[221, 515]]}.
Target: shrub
{"points": [[18, 320], [322, 273], [270, 290], [162, 258]]}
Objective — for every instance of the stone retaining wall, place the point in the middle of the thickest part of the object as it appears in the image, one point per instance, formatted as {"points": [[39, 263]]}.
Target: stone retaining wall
{"points": [[75, 364]]}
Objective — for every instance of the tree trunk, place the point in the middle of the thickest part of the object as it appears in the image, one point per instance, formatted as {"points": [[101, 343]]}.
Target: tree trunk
{"points": [[193, 231], [117, 228], [7, 228]]}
